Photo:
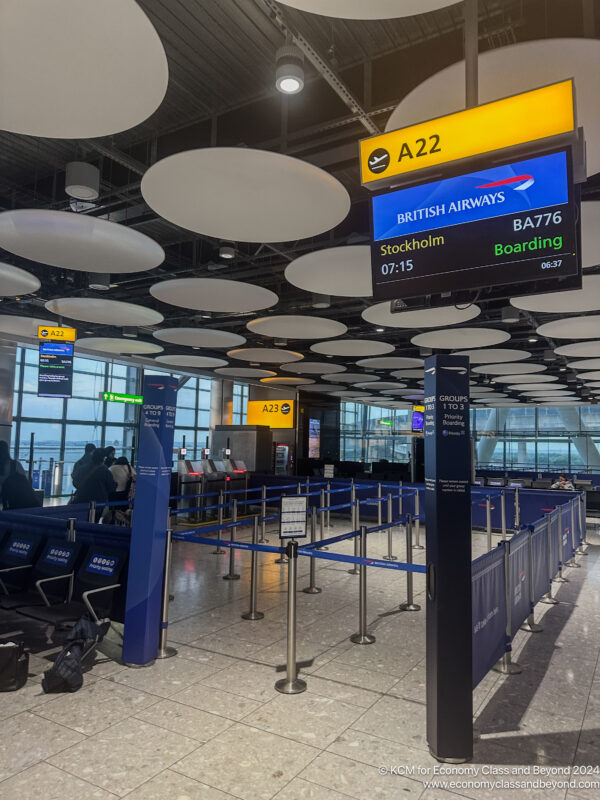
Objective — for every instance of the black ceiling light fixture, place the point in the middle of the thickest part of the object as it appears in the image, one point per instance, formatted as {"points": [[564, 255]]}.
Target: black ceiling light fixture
{"points": [[510, 314], [100, 281], [289, 69]]}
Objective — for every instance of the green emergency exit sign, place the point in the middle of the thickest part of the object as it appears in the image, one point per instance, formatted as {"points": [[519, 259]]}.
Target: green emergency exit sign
{"points": [[117, 397]]}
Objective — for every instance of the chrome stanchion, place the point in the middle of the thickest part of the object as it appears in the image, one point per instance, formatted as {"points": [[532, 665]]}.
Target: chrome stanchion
{"points": [[390, 555], [400, 498], [582, 511], [263, 514], [219, 551], [232, 574], [559, 577], [252, 613], [362, 637], [282, 558], [322, 519], [547, 598], [328, 504], [530, 625], [92, 514], [164, 650], [71, 535], [417, 545], [291, 684], [354, 523], [299, 488], [506, 666], [312, 588], [571, 561], [517, 509], [379, 504], [488, 521], [307, 484], [410, 605], [503, 514]]}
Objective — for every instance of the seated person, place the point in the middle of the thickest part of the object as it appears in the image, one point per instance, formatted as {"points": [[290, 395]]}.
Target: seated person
{"points": [[562, 482]]}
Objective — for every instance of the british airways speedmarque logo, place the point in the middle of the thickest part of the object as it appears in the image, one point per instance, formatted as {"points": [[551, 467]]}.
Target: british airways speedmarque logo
{"points": [[524, 181]]}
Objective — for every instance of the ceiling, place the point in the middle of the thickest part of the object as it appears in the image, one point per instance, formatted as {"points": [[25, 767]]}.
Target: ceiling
{"points": [[221, 92]]}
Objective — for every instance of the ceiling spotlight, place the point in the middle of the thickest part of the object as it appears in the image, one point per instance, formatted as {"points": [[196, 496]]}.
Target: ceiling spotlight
{"points": [[425, 351], [289, 70], [510, 314], [320, 300], [532, 339], [279, 342], [100, 281], [549, 355], [562, 369], [82, 180], [227, 252], [130, 333], [379, 330]]}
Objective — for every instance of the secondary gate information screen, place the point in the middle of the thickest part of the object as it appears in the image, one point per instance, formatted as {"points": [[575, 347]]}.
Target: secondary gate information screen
{"points": [[510, 223]]}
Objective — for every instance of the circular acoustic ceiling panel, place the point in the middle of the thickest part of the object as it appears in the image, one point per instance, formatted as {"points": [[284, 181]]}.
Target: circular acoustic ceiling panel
{"points": [[74, 69], [265, 355], [533, 387], [314, 368], [199, 337], [579, 300], [296, 326], [390, 362], [350, 394], [107, 344], [585, 363], [245, 195], [593, 384], [379, 386], [505, 369], [408, 373], [15, 281], [337, 271], [380, 314], [414, 396], [391, 391], [191, 362], [77, 241], [509, 70], [327, 387], [104, 312], [493, 355], [213, 294], [590, 376], [451, 338], [244, 372], [351, 377], [530, 378], [367, 9], [571, 328], [580, 349], [352, 348], [549, 395], [22, 326], [281, 380], [590, 233]]}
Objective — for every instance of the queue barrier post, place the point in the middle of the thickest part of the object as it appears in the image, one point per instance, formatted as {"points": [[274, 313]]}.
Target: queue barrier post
{"points": [[328, 504], [399, 498], [263, 514], [312, 587], [559, 577], [547, 598], [582, 512], [378, 504], [571, 561], [322, 519], [530, 625], [506, 666], [517, 509], [252, 613], [219, 551], [417, 545], [164, 650], [291, 684], [71, 534], [390, 555], [410, 605], [232, 575], [488, 521], [92, 514], [282, 558], [354, 522], [362, 637], [503, 514], [298, 488]]}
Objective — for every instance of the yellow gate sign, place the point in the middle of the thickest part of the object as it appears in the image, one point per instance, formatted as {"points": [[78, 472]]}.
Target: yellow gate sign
{"points": [[274, 413], [51, 333]]}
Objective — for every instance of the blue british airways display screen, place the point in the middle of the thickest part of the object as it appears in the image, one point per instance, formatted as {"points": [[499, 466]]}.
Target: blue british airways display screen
{"points": [[509, 223]]}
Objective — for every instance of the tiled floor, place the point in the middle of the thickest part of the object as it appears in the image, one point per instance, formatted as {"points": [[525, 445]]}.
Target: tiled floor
{"points": [[208, 724]]}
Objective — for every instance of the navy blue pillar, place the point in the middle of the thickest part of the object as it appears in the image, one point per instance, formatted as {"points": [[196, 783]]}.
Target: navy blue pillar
{"points": [[149, 532], [448, 517]]}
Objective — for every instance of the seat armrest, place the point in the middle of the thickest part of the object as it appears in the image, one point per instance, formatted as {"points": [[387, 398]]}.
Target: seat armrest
{"points": [[14, 569], [38, 584], [85, 598]]}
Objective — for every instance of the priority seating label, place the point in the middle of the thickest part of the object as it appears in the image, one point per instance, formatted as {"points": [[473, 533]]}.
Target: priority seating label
{"points": [[58, 555], [102, 565], [19, 548]]}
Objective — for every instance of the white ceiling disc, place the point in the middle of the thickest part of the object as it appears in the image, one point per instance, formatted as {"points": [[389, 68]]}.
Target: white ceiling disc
{"points": [[22, 326], [413, 396], [282, 380], [585, 363], [408, 373], [265, 355], [367, 9], [191, 362], [351, 377], [390, 362], [15, 281], [338, 271], [389, 391], [580, 349], [493, 355], [73, 69], [199, 337], [530, 378], [380, 314], [378, 386], [478, 392], [213, 294], [509, 368], [564, 403], [245, 195], [352, 348], [590, 376], [491, 399], [297, 326], [245, 372], [571, 328], [106, 344], [327, 387], [505, 71], [593, 384], [548, 395], [452, 338], [590, 233], [77, 241], [314, 368], [104, 312], [579, 300], [533, 387], [350, 394]]}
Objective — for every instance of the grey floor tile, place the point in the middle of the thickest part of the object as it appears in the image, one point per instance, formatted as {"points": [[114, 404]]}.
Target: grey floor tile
{"points": [[254, 681], [166, 677], [355, 676], [53, 784], [399, 720], [31, 695], [185, 720], [27, 739], [299, 789], [171, 785], [215, 701]]}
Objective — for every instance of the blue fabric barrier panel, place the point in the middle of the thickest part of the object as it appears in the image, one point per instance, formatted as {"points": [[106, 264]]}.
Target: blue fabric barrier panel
{"points": [[554, 543], [519, 580], [567, 547], [489, 612], [539, 552]]}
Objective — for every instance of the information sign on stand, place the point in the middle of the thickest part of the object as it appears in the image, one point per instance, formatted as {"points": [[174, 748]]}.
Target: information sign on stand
{"points": [[292, 522], [55, 369], [328, 470]]}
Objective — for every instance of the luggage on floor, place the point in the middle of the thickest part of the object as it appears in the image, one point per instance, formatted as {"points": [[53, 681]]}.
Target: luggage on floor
{"points": [[14, 666]]}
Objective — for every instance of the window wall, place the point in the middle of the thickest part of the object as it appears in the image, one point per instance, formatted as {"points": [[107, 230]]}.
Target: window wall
{"points": [[240, 403], [371, 433]]}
